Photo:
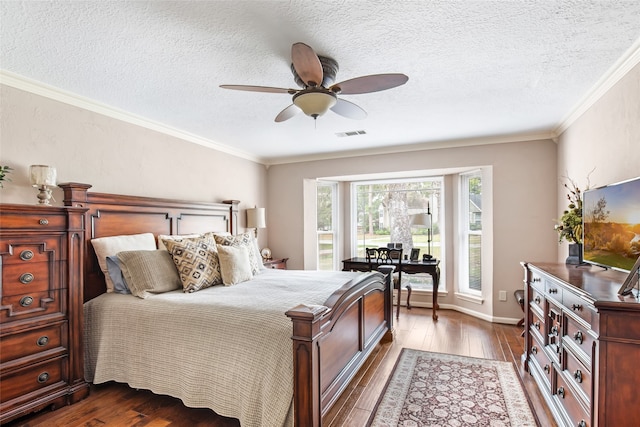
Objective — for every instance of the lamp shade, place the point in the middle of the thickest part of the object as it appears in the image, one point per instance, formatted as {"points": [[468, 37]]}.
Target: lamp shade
{"points": [[315, 103], [42, 175], [421, 220], [256, 218]]}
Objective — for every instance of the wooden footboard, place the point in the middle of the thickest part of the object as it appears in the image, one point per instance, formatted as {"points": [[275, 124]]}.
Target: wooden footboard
{"points": [[332, 342]]}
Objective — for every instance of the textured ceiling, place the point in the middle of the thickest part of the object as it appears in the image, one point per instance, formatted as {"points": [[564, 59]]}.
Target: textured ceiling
{"points": [[497, 69]]}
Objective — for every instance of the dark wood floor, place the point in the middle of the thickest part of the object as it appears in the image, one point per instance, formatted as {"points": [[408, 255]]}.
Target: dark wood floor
{"points": [[118, 405]]}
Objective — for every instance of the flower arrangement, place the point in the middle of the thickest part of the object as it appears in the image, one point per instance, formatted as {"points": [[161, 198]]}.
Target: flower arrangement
{"points": [[570, 226], [4, 171]]}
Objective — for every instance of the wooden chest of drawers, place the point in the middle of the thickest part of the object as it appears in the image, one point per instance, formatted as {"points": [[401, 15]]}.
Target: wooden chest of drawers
{"points": [[582, 343], [41, 357]]}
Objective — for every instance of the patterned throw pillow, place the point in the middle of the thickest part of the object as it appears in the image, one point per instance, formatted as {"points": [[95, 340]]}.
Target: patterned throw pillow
{"points": [[197, 262], [245, 240]]}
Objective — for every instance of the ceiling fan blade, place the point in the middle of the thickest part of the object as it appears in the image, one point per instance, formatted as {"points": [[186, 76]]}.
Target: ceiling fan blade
{"points": [[307, 64], [371, 83], [349, 110], [287, 113], [260, 89]]}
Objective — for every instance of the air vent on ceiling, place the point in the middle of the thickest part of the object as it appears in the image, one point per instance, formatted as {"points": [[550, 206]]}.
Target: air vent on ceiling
{"points": [[351, 133]]}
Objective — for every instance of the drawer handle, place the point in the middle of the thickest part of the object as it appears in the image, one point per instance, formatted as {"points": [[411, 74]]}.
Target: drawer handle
{"points": [[26, 278], [578, 375], [578, 337], [42, 341], [554, 331], [534, 350], [536, 279], [26, 301], [560, 392], [576, 307], [43, 221], [43, 377], [537, 300], [547, 368], [582, 423], [26, 255], [536, 325], [553, 291]]}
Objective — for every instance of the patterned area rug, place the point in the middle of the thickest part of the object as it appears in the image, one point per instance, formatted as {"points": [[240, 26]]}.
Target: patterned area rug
{"points": [[436, 389]]}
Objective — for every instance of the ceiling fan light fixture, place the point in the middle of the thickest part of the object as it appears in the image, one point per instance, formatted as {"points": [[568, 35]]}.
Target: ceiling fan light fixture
{"points": [[315, 103]]}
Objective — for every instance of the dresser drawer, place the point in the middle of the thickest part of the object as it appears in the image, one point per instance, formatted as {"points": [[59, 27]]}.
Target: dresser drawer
{"points": [[537, 326], [19, 279], [569, 404], [26, 306], [578, 375], [32, 342], [543, 361], [580, 308], [33, 378], [579, 339], [43, 221], [537, 300], [26, 250], [537, 281], [554, 291]]}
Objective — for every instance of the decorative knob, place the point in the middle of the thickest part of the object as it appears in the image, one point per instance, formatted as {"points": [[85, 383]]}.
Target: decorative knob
{"points": [[42, 341], [536, 279], [26, 255], [576, 307], [26, 278], [536, 324], [578, 375], [537, 300], [547, 368], [43, 221], [43, 377], [582, 423], [578, 337], [553, 291], [554, 330], [560, 392], [534, 350], [26, 301]]}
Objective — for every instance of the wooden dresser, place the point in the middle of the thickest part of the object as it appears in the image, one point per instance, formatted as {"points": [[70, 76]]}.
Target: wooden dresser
{"points": [[41, 355], [582, 344]]}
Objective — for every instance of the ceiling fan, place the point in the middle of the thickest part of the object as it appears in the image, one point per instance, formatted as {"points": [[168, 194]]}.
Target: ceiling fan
{"points": [[316, 75]]}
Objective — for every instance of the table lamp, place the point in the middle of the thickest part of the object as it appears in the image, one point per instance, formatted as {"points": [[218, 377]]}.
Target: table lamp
{"points": [[42, 177]]}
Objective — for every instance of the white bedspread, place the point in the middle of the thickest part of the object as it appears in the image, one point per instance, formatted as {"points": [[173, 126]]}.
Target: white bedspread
{"points": [[224, 348]]}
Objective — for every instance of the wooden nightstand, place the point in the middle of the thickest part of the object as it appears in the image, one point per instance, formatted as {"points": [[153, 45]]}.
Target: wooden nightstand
{"points": [[279, 263]]}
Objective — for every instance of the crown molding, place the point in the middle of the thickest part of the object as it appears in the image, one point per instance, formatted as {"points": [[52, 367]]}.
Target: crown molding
{"points": [[617, 71], [38, 88]]}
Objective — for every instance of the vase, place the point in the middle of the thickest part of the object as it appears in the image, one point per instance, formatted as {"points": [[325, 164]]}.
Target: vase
{"points": [[575, 254]]}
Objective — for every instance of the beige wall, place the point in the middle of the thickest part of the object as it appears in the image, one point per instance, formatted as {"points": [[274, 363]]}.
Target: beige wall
{"points": [[605, 139], [524, 203], [115, 157]]}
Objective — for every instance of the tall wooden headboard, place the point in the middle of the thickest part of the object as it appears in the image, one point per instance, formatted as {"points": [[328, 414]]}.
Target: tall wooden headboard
{"points": [[113, 215]]}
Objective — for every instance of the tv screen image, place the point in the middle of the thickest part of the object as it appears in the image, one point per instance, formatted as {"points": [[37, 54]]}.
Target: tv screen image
{"points": [[611, 225]]}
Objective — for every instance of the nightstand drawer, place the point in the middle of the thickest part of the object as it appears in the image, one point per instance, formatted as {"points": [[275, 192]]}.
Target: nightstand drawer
{"points": [[19, 279], [35, 377], [31, 342], [28, 305], [277, 264]]}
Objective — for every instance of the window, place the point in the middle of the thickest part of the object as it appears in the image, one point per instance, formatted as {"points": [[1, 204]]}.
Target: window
{"points": [[327, 214], [470, 269], [382, 212]]}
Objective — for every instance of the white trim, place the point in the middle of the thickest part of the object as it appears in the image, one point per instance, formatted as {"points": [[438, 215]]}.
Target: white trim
{"points": [[469, 298], [617, 71], [23, 83]]}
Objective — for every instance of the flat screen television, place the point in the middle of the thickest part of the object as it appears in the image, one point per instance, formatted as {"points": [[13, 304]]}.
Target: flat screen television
{"points": [[611, 225]]}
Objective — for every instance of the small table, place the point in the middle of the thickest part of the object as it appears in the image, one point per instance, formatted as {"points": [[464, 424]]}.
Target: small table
{"points": [[410, 267], [276, 264]]}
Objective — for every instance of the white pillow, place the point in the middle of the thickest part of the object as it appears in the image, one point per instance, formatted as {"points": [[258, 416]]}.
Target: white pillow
{"points": [[109, 246], [234, 264]]}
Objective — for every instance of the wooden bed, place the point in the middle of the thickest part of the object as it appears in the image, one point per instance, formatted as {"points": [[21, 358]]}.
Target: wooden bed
{"points": [[329, 344]]}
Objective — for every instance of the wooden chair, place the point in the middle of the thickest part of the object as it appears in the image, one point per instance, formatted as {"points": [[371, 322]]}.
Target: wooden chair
{"points": [[391, 257]]}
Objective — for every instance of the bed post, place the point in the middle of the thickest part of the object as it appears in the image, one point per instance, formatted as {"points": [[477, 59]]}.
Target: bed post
{"points": [[75, 194], [306, 375]]}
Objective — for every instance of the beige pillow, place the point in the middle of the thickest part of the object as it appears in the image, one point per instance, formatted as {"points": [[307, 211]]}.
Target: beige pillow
{"points": [[162, 237], [110, 246], [234, 264], [197, 262], [149, 272], [246, 240]]}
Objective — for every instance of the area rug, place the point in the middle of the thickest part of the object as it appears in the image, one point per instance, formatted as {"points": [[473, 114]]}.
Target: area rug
{"points": [[436, 389]]}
